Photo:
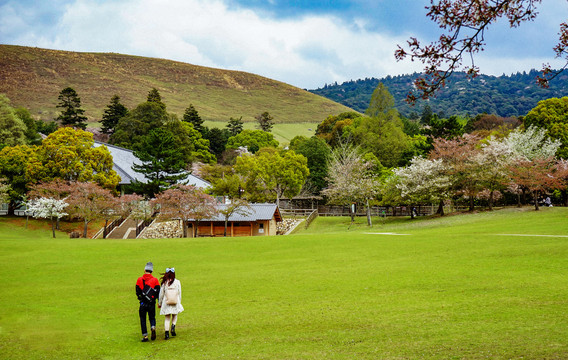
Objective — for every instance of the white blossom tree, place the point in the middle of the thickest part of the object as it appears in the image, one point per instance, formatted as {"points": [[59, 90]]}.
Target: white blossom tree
{"points": [[533, 143], [47, 208], [424, 181]]}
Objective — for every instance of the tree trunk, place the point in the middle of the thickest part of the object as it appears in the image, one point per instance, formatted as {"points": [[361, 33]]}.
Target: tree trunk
{"points": [[535, 195], [369, 222], [226, 225], [53, 227], [85, 228], [471, 204], [184, 228], [491, 200], [412, 212], [441, 208], [519, 200]]}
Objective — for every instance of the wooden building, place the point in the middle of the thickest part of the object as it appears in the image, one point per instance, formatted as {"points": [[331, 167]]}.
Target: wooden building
{"points": [[260, 220]]}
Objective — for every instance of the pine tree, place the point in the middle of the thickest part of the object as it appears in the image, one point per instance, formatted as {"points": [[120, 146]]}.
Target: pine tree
{"points": [[72, 114], [235, 126], [192, 116], [114, 112], [155, 97], [265, 122]]}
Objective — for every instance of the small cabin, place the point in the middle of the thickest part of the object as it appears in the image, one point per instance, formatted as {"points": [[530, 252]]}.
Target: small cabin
{"points": [[257, 220]]}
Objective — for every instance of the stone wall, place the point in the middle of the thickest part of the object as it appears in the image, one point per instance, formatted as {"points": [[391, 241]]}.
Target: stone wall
{"points": [[161, 230]]}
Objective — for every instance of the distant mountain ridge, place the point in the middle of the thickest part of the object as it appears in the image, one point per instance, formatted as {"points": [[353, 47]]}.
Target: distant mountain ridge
{"points": [[512, 95], [33, 77]]}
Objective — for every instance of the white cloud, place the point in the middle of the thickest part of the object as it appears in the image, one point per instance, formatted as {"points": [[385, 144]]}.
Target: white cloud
{"points": [[305, 52]]}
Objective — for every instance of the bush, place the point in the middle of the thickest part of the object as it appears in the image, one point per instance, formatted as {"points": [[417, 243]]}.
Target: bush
{"points": [[74, 234]]}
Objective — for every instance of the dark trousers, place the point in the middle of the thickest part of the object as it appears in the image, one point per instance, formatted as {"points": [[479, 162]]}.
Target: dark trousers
{"points": [[151, 311]]}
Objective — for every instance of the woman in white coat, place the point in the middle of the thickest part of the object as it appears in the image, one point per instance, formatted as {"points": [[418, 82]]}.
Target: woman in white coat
{"points": [[169, 300]]}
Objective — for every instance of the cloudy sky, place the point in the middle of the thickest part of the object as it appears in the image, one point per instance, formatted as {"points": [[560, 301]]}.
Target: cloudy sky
{"points": [[303, 43]]}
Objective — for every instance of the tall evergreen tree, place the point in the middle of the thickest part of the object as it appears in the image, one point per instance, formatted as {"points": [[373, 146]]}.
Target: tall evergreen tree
{"points": [[235, 126], [71, 113], [162, 164], [155, 97], [113, 112], [265, 122], [192, 116]]}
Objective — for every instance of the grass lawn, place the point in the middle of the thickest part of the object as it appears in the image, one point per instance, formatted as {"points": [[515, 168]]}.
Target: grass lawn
{"points": [[458, 287]]}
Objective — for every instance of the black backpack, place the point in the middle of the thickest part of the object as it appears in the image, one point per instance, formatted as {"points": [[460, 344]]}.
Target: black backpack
{"points": [[149, 293]]}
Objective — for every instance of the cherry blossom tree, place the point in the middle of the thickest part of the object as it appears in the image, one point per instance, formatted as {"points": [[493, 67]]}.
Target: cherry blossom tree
{"points": [[47, 208], [186, 202], [90, 202], [424, 181]]}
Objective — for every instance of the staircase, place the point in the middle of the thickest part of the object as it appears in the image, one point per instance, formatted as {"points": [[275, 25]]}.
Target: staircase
{"points": [[126, 230]]}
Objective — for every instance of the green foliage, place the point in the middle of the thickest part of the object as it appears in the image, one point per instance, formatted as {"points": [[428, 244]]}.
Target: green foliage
{"points": [[218, 140], [235, 126], [382, 102], [155, 97], [17, 165], [162, 164], [331, 129], [269, 174], [12, 129], [71, 113], [46, 128], [131, 128], [317, 152], [505, 95], [189, 142], [552, 115], [32, 134], [265, 121], [192, 116], [253, 140], [112, 114]]}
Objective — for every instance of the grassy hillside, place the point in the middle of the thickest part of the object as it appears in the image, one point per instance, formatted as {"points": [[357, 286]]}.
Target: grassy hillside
{"points": [[33, 78], [458, 287]]}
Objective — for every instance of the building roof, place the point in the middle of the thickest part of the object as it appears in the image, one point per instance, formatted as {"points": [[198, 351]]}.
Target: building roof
{"points": [[254, 213], [123, 159]]}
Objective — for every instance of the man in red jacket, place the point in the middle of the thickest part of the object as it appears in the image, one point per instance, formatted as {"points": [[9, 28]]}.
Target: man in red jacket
{"points": [[147, 290]]}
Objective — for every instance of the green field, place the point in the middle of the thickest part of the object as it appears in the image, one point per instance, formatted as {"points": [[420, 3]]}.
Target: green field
{"points": [[458, 287]]}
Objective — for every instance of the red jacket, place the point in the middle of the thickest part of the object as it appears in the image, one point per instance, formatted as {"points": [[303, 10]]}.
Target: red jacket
{"points": [[150, 282]]}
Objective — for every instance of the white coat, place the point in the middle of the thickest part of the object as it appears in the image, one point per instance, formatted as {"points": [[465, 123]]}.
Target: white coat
{"points": [[166, 309]]}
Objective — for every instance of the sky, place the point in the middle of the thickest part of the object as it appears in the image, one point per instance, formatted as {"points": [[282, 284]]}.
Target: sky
{"points": [[303, 43]]}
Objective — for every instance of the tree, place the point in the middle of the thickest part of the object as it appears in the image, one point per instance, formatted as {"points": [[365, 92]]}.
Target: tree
{"points": [[12, 128], [423, 181], [90, 202], [382, 102], [190, 142], [4, 191], [47, 208], [464, 23], [112, 114], [138, 123], [235, 126], [317, 152], [162, 164], [237, 206], [155, 97], [265, 121], [32, 135], [192, 116], [270, 174], [71, 113], [253, 140], [218, 140], [18, 165], [331, 129], [552, 115], [69, 154], [187, 203], [350, 181]]}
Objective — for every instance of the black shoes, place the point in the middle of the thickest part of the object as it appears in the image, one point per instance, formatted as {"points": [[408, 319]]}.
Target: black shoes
{"points": [[153, 334], [145, 339], [167, 335], [173, 330]]}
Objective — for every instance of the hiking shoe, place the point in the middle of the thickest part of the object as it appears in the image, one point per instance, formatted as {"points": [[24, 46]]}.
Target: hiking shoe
{"points": [[173, 330], [153, 334], [167, 335], [145, 339]]}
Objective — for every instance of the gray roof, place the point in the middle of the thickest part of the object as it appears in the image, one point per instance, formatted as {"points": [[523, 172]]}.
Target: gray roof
{"points": [[123, 159], [254, 213]]}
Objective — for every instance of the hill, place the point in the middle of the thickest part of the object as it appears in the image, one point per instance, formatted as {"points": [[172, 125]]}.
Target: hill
{"points": [[512, 95], [33, 77]]}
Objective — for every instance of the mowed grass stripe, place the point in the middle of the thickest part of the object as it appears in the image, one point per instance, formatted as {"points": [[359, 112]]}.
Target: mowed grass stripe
{"points": [[451, 289]]}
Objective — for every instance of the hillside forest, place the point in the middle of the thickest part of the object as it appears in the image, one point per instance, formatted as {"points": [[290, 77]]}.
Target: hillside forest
{"points": [[379, 157], [505, 95]]}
